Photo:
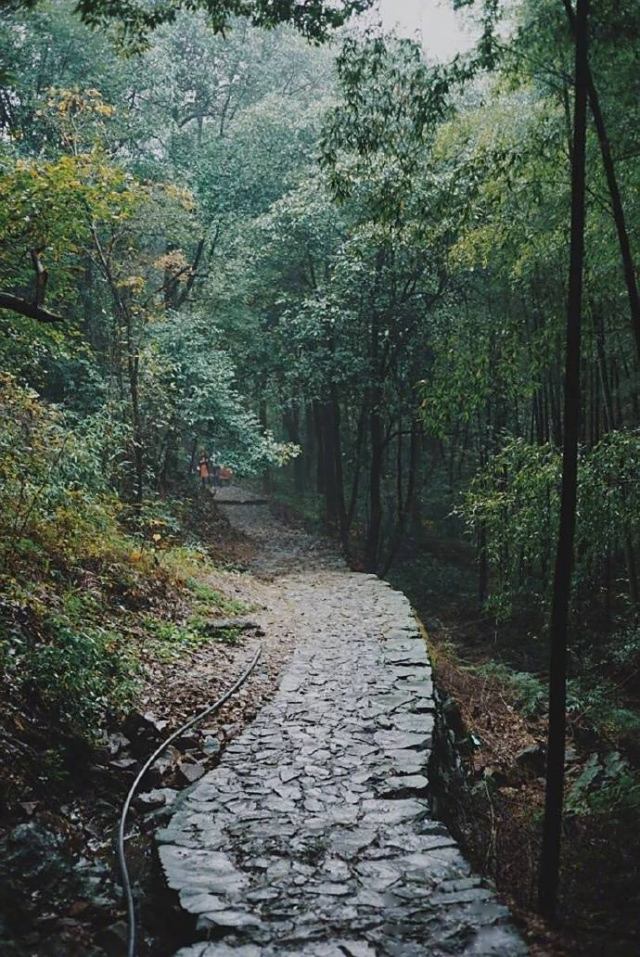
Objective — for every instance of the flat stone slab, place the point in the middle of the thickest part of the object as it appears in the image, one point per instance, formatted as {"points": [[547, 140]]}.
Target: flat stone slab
{"points": [[314, 836]]}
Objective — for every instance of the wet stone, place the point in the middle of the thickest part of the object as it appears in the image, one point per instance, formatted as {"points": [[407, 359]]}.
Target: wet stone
{"points": [[404, 786], [312, 837]]}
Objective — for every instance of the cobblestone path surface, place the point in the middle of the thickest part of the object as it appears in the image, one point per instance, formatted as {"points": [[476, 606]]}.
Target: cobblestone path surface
{"points": [[313, 837]]}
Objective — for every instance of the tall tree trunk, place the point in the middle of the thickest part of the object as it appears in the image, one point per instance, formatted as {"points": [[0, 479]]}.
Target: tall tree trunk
{"points": [[291, 423], [329, 465], [375, 483], [138, 457], [552, 829], [603, 372], [405, 503], [376, 441], [309, 452], [632, 571], [337, 467], [263, 415], [194, 452], [614, 194], [357, 466], [321, 469]]}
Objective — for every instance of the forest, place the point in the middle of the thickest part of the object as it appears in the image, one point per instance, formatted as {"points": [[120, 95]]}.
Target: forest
{"points": [[398, 297]]}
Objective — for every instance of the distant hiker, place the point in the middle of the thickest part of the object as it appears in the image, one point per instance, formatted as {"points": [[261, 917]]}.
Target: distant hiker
{"points": [[203, 468]]}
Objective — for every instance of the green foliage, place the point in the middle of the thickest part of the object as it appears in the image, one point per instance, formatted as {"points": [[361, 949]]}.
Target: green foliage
{"points": [[66, 561], [52, 484], [76, 675], [136, 19], [605, 785], [375, 138], [529, 692], [624, 649], [197, 395], [514, 501], [210, 598], [171, 639], [598, 703]]}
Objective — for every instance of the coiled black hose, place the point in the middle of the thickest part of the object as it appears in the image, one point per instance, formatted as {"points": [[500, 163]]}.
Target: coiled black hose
{"points": [[124, 871]]}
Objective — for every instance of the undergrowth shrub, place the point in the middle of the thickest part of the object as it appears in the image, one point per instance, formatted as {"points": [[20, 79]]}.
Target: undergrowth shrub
{"points": [[54, 501], [598, 704], [74, 564], [624, 649], [529, 692], [591, 702], [76, 676], [606, 785]]}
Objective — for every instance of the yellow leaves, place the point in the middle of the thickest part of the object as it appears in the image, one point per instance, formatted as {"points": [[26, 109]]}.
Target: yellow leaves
{"points": [[174, 261], [49, 205], [183, 196], [474, 247], [135, 556], [69, 102], [105, 109], [134, 284]]}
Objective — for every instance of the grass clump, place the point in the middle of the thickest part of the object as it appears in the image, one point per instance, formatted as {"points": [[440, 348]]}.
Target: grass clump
{"points": [[210, 599]]}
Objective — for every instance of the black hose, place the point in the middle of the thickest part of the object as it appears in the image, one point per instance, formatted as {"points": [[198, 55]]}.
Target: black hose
{"points": [[126, 883]]}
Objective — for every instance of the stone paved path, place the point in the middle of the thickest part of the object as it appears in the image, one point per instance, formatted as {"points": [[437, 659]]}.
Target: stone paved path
{"points": [[313, 837]]}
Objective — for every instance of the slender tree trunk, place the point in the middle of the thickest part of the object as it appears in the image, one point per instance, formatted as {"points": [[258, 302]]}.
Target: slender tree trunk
{"points": [[338, 469], [298, 462], [309, 446], [614, 194], [552, 829], [291, 423], [330, 455], [399, 463], [194, 451], [168, 465], [124, 317], [357, 466], [483, 566], [604, 376], [263, 415], [619, 414], [320, 450], [138, 459], [632, 571], [376, 440], [375, 483], [405, 504]]}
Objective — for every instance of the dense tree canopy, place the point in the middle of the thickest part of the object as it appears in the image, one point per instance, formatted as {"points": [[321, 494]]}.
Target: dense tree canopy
{"points": [[137, 18], [340, 269]]}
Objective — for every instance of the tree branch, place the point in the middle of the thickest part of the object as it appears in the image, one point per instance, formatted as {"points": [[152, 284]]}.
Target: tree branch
{"points": [[30, 309]]}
